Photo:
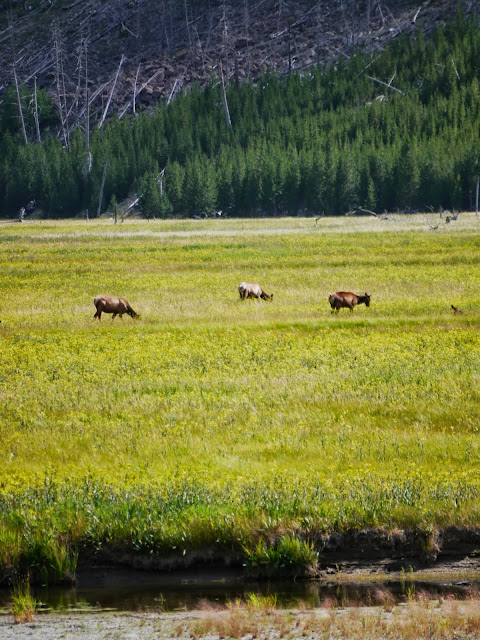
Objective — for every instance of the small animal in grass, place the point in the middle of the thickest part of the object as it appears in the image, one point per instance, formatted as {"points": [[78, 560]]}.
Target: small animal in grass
{"points": [[114, 305], [456, 310], [347, 299], [252, 290]]}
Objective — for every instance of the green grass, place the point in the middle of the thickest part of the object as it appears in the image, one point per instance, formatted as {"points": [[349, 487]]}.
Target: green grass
{"points": [[215, 421], [23, 603]]}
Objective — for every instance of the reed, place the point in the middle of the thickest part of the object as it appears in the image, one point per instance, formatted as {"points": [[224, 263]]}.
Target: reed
{"points": [[23, 603]]}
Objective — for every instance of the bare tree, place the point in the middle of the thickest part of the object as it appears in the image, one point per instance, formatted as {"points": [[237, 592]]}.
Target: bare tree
{"points": [[19, 102], [225, 39], [102, 185], [135, 89], [60, 85], [15, 77], [37, 124], [87, 106], [476, 195], [137, 93], [246, 19], [224, 98], [189, 35], [100, 124], [87, 116], [369, 11]]}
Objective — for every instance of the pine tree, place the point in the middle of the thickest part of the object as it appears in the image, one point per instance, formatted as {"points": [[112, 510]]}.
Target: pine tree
{"points": [[150, 196]]}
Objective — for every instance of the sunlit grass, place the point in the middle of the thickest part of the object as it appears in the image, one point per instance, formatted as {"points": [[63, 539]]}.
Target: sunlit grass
{"points": [[23, 603], [214, 419], [418, 617]]}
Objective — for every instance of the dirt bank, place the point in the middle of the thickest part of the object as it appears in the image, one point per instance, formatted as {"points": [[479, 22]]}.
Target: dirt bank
{"points": [[367, 551]]}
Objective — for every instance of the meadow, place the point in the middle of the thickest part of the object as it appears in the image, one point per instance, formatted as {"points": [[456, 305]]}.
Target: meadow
{"points": [[245, 426]]}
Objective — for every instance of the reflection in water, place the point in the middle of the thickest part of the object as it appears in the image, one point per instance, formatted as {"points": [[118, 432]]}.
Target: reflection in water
{"points": [[140, 591]]}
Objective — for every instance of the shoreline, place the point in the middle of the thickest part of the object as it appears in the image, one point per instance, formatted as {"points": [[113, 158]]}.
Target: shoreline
{"points": [[416, 617], [352, 552], [386, 613], [361, 554]]}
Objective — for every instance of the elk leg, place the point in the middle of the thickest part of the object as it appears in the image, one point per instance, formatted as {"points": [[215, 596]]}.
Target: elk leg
{"points": [[113, 317]]}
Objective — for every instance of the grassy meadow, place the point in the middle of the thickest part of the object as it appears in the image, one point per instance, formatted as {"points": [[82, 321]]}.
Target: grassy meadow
{"points": [[211, 421]]}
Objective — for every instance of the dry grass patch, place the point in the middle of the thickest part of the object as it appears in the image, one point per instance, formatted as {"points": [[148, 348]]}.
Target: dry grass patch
{"points": [[413, 620]]}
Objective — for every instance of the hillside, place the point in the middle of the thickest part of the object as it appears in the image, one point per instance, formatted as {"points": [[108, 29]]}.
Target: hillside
{"points": [[169, 45], [391, 122]]}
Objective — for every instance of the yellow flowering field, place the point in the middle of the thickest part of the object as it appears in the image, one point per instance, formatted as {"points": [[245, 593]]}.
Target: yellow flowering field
{"points": [[211, 420]]}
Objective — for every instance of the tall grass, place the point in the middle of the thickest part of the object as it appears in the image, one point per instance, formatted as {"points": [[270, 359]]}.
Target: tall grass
{"points": [[212, 421], [23, 603]]}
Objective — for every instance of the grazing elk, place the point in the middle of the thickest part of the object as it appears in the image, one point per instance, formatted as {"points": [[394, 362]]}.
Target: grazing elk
{"points": [[456, 310], [111, 304], [252, 290], [348, 299]]}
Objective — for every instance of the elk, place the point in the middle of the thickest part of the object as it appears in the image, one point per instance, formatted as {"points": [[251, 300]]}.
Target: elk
{"points": [[252, 290], [348, 299], [111, 304], [456, 310]]}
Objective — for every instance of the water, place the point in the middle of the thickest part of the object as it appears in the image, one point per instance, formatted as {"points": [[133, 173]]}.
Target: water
{"points": [[122, 590]]}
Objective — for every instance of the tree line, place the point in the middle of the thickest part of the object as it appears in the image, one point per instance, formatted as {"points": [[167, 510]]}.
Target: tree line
{"points": [[393, 129]]}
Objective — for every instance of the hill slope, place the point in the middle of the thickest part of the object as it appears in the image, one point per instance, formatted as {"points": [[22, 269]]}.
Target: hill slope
{"points": [[171, 44], [397, 127]]}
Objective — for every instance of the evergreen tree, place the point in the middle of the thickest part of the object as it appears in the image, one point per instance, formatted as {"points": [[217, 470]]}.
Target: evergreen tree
{"points": [[150, 197]]}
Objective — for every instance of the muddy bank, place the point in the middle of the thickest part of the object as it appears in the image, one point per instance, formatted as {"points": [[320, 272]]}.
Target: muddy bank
{"points": [[365, 552], [375, 558], [342, 556]]}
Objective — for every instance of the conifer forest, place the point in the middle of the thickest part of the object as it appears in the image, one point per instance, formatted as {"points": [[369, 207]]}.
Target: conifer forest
{"points": [[386, 130]]}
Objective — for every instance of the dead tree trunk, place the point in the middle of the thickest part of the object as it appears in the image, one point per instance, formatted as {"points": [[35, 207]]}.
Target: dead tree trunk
{"points": [[100, 124], [476, 195], [189, 35], [246, 14], [17, 89], [135, 89], [60, 83], [224, 98], [37, 124], [87, 119], [225, 39], [369, 10], [19, 103], [87, 106], [160, 183], [100, 197], [172, 92]]}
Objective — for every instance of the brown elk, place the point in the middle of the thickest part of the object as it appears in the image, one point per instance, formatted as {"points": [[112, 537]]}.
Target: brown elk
{"points": [[456, 310], [348, 299], [252, 290], [111, 304]]}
